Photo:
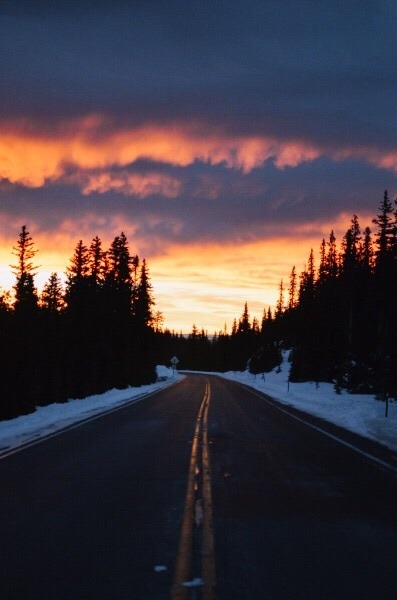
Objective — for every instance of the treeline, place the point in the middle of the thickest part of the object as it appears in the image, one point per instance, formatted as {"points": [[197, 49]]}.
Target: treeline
{"points": [[250, 344], [338, 319], [94, 335], [341, 321]]}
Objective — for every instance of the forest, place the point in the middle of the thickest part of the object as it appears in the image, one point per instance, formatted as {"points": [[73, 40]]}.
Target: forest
{"points": [[100, 330]]}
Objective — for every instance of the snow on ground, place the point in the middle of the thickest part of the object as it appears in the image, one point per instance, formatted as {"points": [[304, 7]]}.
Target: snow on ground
{"points": [[49, 419], [360, 413]]}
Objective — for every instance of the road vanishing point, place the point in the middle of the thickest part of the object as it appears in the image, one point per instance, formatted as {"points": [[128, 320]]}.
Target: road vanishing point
{"points": [[204, 490]]}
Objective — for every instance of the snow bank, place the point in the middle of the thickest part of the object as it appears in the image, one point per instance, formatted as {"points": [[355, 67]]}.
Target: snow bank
{"points": [[48, 419], [359, 413]]}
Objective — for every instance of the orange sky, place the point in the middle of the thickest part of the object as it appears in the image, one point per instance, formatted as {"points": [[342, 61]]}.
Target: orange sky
{"points": [[31, 156], [205, 285], [201, 282], [225, 144]]}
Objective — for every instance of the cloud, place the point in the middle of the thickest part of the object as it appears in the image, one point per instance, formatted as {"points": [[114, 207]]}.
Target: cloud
{"points": [[131, 184], [32, 157], [192, 127]]}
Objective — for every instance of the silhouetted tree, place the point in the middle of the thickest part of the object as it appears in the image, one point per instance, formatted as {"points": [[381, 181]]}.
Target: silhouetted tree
{"points": [[144, 300], [26, 298], [52, 295], [292, 289]]}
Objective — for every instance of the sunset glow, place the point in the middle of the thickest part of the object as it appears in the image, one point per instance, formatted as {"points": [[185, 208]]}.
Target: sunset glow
{"points": [[195, 284], [30, 157], [222, 162]]}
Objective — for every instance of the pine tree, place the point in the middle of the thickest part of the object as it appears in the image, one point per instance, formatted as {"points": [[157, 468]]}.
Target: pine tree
{"points": [[135, 263], [367, 251], [264, 321], [311, 271], [120, 262], [395, 232], [255, 326], [292, 289], [244, 325], [351, 245], [385, 233], [23, 361], [234, 327], [144, 298], [96, 262], [52, 295], [332, 257], [322, 271], [76, 294], [307, 280], [385, 277], [26, 298], [280, 301]]}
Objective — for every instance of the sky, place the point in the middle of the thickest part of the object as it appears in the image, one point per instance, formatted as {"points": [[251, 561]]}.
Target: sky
{"points": [[225, 138]]}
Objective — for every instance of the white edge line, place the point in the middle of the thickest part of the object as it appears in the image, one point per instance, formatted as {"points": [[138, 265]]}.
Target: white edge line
{"points": [[274, 403], [83, 421]]}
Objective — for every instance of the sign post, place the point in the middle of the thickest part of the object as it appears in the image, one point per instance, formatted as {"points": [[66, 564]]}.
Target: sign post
{"points": [[174, 362]]}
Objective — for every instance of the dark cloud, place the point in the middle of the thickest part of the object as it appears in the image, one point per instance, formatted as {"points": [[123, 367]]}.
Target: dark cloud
{"points": [[264, 204], [317, 70]]}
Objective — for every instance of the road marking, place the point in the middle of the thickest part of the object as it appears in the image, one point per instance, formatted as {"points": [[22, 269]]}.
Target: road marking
{"points": [[182, 576], [323, 431], [208, 549]]}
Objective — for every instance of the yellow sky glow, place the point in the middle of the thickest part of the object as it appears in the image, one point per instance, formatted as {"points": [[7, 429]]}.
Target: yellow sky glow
{"points": [[202, 284]]}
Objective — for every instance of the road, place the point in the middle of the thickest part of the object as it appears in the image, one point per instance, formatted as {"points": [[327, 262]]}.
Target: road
{"points": [[109, 509]]}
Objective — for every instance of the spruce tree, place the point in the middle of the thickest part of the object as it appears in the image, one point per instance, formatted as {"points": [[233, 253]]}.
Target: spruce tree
{"points": [[280, 301], [386, 284], [322, 270], [52, 295], [332, 263], [367, 251], [97, 264], [386, 227], [144, 298], [292, 289], [23, 361], [77, 282], [244, 325], [26, 298]]}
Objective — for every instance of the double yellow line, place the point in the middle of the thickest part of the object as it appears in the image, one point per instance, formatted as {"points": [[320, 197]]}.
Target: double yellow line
{"points": [[180, 591]]}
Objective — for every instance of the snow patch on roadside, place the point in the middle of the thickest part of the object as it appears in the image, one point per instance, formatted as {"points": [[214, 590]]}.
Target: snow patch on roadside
{"points": [[51, 418], [359, 413]]}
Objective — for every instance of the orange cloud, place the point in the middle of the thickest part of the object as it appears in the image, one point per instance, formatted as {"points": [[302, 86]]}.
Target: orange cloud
{"points": [[141, 185], [31, 157]]}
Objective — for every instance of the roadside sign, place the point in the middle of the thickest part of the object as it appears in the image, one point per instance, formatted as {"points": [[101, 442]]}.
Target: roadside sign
{"points": [[174, 362]]}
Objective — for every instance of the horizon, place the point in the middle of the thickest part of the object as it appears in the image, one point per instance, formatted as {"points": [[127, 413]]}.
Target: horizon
{"points": [[221, 296]]}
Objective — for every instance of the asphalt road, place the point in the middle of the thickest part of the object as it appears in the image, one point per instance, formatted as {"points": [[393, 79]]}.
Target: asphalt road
{"points": [[96, 511]]}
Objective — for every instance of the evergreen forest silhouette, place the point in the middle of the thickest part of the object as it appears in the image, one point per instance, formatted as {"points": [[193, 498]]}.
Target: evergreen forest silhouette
{"points": [[99, 331]]}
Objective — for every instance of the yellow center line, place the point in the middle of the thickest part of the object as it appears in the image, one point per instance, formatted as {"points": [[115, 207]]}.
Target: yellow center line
{"points": [[184, 556], [208, 551]]}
